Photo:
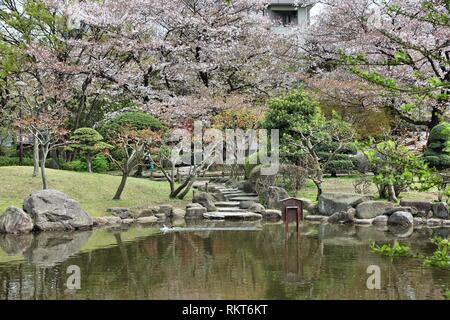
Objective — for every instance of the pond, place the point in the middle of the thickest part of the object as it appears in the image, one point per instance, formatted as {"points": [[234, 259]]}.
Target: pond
{"points": [[261, 262]]}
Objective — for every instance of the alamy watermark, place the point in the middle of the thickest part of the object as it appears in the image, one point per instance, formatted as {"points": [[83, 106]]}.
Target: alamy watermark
{"points": [[374, 280], [227, 147], [74, 279]]}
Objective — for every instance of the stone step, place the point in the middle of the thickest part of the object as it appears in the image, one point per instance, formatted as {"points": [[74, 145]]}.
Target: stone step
{"points": [[245, 198], [232, 216], [240, 194], [230, 209], [227, 204], [225, 191]]}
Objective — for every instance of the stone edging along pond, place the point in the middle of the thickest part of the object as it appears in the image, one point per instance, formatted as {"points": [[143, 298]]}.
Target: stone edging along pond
{"points": [[51, 210], [362, 210]]}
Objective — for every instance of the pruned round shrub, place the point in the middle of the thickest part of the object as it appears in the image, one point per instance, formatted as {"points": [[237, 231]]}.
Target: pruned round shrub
{"points": [[436, 154]]}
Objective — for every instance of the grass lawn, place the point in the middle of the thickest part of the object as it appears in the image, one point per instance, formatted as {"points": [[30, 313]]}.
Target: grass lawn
{"points": [[345, 184], [93, 191]]}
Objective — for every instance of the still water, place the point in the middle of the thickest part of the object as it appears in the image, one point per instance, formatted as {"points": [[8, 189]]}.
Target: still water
{"points": [[322, 262]]}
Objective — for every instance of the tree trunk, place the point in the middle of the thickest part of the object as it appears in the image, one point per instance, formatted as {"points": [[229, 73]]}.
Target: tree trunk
{"points": [[89, 163], [392, 195], [35, 158], [319, 188], [123, 182], [43, 174]]}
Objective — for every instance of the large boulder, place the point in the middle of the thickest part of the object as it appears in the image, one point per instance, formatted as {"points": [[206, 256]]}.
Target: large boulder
{"points": [[206, 200], [423, 207], [257, 208], [330, 203], [166, 209], [195, 211], [372, 209], [15, 221], [440, 210], [345, 217], [273, 196], [53, 210], [272, 215], [400, 218]]}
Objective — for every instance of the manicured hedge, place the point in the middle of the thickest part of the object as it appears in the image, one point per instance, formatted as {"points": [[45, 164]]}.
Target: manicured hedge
{"points": [[15, 161]]}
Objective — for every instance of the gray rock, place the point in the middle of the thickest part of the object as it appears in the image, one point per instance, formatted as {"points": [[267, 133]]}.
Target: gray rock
{"points": [[194, 205], [206, 200], [316, 218], [161, 216], [113, 220], [273, 196], [178, 213], [15, 221], [380, 221], [166, 209], [372, 209], [434, 222], [419, 221], [246, 204], [401, 218], [122, 213], [363, 222], [128, 221], [50, 249], [257, 208], [422, 207], [195, 212], [330, 203], [53, 210], [100, 221], [147, 220], [271, 214], [440, 210], [343, 217], [219, 196], [146, 213], [14, 245], [411, 210]]}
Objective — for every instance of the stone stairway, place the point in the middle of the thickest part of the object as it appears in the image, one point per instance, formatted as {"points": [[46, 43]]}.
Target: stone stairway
{"points": [[231, 208]]}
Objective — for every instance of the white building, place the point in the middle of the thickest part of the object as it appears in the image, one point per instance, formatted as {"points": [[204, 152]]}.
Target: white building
{"points": [[290, 13]]}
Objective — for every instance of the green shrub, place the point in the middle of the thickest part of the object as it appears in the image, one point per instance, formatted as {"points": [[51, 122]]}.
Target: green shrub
{"points": [[437, 154], [15, 161], [76, 165], [336, 166], [100, 164]]}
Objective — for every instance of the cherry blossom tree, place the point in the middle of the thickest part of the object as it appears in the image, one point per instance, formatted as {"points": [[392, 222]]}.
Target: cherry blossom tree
{"points": [[48, 129], [400, 47]]}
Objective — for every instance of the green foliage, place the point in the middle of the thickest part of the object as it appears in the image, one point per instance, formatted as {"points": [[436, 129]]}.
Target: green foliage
{"points": [[134, 120], [291, 114], [15, 161], [438, 152], [441, 257], [87, 141], [336, 166], [394, 164], [100, 164], [396, 250], [76, 165]]}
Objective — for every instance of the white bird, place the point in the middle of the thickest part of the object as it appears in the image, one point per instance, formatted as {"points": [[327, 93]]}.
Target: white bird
{"points": [[165, 229]]}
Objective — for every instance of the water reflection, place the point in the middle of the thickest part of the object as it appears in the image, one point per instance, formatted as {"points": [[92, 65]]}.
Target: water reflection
{"points": [[321, 262]]}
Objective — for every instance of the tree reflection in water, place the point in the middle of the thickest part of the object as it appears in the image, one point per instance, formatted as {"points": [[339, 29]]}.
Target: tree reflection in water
{"points": [[323, 262]]}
